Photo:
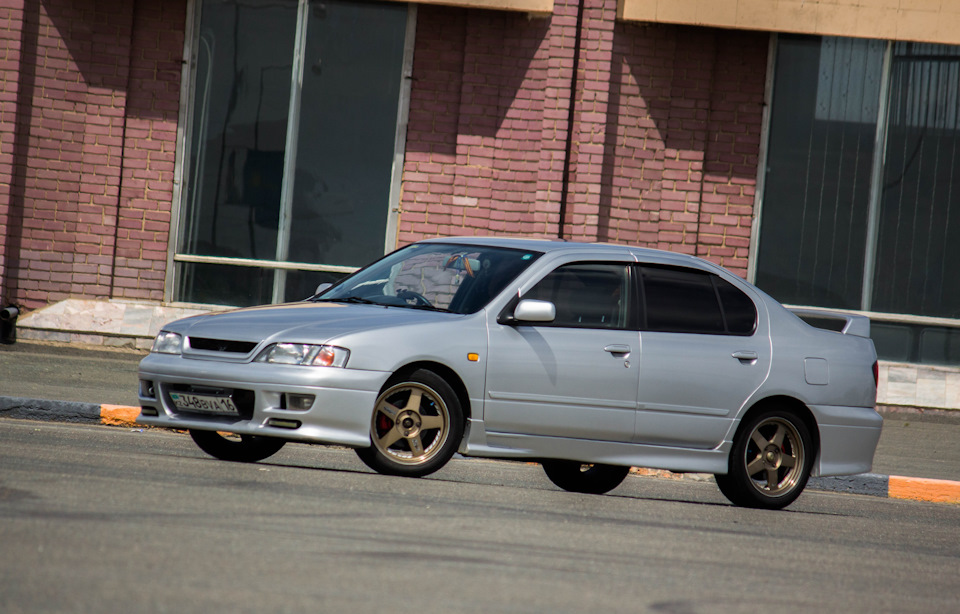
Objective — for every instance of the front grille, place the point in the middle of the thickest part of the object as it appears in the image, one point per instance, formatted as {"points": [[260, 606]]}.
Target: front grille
{"points": [[222, 345]]}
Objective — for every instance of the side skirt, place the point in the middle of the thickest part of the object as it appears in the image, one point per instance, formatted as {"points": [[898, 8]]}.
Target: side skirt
{"points": [[479, 442]]}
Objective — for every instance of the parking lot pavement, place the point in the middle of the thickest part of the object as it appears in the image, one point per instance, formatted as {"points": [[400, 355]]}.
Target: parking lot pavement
{"points": [[918, 456]]}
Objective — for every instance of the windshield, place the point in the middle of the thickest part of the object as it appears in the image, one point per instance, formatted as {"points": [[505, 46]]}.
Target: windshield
{"points": [[436, 276]]}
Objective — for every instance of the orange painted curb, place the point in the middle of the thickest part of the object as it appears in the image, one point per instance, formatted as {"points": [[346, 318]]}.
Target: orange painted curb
{"points": [[119, 415], [922, 489]]}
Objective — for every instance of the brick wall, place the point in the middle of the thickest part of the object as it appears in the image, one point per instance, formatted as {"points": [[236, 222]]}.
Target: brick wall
{"points": [[93, 126], [152, 110], [664, 139], [483, 116], [660, 150]]}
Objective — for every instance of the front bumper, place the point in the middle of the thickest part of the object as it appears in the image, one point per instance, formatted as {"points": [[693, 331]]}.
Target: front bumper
{"points": [[340, 414]]}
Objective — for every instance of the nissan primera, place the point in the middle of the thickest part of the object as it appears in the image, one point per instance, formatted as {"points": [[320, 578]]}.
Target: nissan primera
{"points": [[587, 358]]}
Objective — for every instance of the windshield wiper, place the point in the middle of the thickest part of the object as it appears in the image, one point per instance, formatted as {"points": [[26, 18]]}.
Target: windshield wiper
{"points": [[346, 299], [424, 307]]}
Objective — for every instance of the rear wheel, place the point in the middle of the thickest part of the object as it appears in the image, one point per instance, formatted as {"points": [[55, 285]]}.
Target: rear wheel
{"points": [[593, 479], [770, 461], [416, 427], [236, 448]]}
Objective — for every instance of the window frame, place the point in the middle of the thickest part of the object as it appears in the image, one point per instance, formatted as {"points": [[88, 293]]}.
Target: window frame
{"points": [[713, 277], [632, 319], [176, 260]]}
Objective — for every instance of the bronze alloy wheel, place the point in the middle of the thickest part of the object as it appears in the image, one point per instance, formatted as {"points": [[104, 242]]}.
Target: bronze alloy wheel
{"points": [[236, 448], [416, 427], [774, 457], [593, 479], [410, 423], [770, 461]]}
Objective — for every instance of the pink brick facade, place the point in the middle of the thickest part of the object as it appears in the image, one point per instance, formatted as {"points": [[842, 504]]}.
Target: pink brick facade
{"points": [[661, 149], [88, 147], [665, 133]]}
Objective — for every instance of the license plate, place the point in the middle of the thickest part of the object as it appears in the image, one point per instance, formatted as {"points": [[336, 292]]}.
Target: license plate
{"points": [[203, 403]]}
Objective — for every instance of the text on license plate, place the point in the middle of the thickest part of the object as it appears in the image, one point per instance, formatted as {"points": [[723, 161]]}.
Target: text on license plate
{"points": [[203, 403]]}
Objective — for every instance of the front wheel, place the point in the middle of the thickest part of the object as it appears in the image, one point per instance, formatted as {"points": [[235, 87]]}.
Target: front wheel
{"points": [[592, 479], [416, 427], [770, 462], [236, 448]]}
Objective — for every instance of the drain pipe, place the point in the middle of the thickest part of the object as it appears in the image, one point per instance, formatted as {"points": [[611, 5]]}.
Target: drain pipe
{"points": [[8, 324], [565, 186]]}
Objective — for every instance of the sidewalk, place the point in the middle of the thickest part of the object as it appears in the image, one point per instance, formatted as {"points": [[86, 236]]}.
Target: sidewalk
{"points": [[918, 456]]}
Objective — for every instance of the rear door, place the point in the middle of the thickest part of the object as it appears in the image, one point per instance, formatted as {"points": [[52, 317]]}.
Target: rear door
{"points": [[704, 352]]}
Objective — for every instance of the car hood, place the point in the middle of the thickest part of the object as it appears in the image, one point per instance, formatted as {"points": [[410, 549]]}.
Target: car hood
{"points": [[301, 322]]}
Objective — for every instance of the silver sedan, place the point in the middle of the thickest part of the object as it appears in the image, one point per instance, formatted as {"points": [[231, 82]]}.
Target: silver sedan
{"points": [[590, 359]]}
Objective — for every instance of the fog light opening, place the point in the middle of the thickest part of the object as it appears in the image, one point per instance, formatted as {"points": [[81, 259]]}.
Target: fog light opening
{"points": [[297, 402], [282, 423], [147, 389]]}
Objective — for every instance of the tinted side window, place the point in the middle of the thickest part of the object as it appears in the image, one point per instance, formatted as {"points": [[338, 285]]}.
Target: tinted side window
{"points": [[680, 301], [738, 309], [586, 295]]}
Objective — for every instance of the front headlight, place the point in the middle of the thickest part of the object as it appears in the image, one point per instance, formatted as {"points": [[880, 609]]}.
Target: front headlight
{"points": [[167, 343], [304, 354]]}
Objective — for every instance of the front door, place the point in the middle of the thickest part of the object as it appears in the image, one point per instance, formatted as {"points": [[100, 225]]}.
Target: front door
{"points": [[576, 376]]}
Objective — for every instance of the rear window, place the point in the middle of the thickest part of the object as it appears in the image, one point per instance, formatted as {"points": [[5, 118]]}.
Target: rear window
{"points": [[683, 300]]}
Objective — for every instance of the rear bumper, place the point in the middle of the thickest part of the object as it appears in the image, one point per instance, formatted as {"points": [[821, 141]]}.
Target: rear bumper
{"points": [[848, 439]]}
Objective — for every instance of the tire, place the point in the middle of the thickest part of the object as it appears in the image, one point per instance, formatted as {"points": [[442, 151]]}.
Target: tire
{"points": [[575, 476], [236, 448], [416, 427], [770, 462]]}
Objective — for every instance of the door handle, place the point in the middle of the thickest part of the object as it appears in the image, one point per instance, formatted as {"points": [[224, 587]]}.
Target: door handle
{"points": [[745, 355], [618, 350]]}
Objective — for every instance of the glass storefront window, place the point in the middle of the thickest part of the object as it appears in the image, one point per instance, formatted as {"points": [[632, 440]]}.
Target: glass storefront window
{"points": [[294, 123], [847, 225], [822, 129], [918, 246]]}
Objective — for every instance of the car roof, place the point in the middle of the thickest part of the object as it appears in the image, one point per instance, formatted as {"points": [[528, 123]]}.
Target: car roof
{"points": [[563, 246]]}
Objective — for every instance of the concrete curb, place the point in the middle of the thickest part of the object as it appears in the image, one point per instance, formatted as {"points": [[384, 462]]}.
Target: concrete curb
{"points": [[68, 411], [871, 484]]}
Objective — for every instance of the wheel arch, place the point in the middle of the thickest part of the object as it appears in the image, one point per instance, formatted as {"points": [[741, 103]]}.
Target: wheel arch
{"points": [[443, 371], [787, 402]]}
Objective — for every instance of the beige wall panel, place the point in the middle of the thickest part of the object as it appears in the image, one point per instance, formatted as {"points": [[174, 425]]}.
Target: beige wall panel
{"points": [[934, 21], [795, 15], [881, 23], [755, 14], [677, 12], [718, 12], [917, 25], [524, 6]]}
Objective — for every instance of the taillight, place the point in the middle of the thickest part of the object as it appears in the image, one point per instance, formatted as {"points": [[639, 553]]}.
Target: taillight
{"points": [[876, 373]]}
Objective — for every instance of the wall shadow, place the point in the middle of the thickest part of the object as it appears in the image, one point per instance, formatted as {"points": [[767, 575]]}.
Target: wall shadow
{"points": [[23, 118], [680, 88], [469, 69]]}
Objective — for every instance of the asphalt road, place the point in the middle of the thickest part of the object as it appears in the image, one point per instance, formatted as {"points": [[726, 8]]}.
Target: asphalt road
{"points": [[924, 446], [99, 519], [64, 372]]}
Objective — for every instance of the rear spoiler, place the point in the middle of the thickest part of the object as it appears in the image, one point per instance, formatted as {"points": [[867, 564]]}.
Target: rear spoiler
{"points": [[846, 323]]}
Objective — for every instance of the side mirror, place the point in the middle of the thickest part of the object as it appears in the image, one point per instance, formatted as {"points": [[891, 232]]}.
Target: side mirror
{"points": [[530, 310], [321, 288]]}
